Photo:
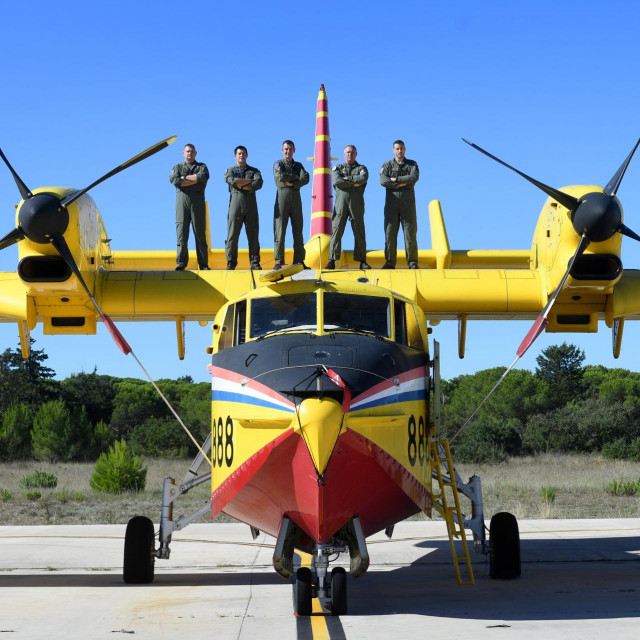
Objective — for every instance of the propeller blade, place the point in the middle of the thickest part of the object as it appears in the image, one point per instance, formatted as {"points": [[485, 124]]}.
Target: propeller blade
{"points": [[24, 190], [541, 321], [129, 163], [11, 238], [564, 199], [62, 247], [614, 183], [625, 231]]}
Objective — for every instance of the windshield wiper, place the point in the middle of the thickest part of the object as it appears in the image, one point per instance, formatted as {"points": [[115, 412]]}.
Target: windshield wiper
{"points": [[287, 327], [349, 327]]}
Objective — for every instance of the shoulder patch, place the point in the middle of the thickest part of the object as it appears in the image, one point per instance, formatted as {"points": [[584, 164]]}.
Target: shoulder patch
{"points": [[276, 164], [381, 170], [361, 171], [334, 168]]}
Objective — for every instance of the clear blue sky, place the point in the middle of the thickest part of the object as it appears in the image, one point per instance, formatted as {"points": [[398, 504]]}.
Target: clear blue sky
{"points": [[550, 87]]}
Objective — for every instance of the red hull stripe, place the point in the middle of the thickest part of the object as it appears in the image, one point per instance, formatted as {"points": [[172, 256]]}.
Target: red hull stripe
{"points": [[361, 478], [234, 483]]}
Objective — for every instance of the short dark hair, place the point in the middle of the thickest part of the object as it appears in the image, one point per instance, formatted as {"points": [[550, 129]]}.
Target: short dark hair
{"points": [[353, 146], [399, 142], [193, 146], [240, 147], [289, 142]]}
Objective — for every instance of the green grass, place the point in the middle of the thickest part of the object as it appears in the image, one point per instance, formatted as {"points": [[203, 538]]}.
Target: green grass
{"points": [[580, 485]]}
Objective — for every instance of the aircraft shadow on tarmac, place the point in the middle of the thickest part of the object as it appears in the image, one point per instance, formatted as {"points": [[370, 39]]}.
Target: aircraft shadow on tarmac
{"points": [[564, 579]]}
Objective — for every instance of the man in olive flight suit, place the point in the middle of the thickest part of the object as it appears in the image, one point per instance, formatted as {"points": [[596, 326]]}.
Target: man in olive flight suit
{"points": [[289, 176], [243, 181], [349, 180], [398, 177], [190, 179]]}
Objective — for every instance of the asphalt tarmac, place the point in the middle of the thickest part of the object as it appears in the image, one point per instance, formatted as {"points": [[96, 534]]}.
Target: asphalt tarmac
{"points": [[580, 579]]}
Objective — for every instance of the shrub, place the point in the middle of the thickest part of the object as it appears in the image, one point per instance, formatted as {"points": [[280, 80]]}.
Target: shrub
{"points": [[118, 470], [33, 495], [39, 479], [67, 496], [620, 449], [623, 487], [548, 494], [5, 495]]}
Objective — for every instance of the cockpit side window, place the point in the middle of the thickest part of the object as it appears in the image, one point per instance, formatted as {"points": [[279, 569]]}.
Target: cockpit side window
{"points": [[296, 311], [226, 330], [240, 323], [400, 316], [413, 329], [348, 312]]}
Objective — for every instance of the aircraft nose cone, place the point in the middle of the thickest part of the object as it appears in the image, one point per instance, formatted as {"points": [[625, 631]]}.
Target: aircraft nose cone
{"points": [[42, 216], [598, 216], [320, 424]]}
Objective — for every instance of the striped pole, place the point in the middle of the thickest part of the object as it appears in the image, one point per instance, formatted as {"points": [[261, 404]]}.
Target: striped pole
{"points": [[322, 198]]}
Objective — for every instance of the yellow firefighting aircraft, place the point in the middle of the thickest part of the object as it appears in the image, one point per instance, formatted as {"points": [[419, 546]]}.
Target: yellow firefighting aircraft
{"points": [[325, 394]]}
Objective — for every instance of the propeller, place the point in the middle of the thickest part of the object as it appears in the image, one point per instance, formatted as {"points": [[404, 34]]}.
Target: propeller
{"points": [[43, 218], [595, 217]]}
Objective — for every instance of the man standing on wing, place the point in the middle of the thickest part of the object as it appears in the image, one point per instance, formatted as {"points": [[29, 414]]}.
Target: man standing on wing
{"points": [[190, 179], [243, 181], [290, 176], [350, 181], [398, 177]]}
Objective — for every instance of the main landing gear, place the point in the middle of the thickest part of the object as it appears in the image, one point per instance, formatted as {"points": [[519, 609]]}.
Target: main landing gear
{"points": [[504, 547], [139, 540]]}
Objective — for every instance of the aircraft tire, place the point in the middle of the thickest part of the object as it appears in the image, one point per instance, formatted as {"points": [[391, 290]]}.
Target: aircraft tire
{"points": [[338, 591], [139, 551], [504, 547], [303, 591]]}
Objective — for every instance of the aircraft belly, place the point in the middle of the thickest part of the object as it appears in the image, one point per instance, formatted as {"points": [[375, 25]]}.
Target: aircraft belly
{"points": [[360, 479]]}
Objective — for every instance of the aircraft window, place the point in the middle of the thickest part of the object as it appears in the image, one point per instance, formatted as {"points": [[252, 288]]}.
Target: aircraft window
{"points": [[226, 330], [241, 323], [368, 314], [401, 321], [296, 311], [413, 329]]}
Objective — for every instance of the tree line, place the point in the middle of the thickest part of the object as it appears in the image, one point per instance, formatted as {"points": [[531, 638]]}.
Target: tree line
{"points": [[562, 406], [78, 418]]}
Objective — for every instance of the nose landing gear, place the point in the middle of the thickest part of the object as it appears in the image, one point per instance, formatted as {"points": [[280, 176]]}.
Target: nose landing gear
{"points": [[330, 589]]}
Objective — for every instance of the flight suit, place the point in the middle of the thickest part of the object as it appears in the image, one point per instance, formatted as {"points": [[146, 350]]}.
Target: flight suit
{"points": [[243, 209], [191, 210], [400, 208], [288, 205], [349, 204]]}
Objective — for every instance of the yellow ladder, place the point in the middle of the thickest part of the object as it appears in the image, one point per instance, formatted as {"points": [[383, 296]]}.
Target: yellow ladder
{"points": [[443, 495]]}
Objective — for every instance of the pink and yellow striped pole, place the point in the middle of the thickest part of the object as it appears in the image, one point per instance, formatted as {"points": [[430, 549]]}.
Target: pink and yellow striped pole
{"points": [[321, 195]]}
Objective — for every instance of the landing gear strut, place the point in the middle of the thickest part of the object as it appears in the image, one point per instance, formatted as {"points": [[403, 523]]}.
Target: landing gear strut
{"points": [[330, 587]]}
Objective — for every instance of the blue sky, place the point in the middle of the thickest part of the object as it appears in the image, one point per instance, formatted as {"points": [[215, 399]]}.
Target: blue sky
{"points": [[550, 87]]}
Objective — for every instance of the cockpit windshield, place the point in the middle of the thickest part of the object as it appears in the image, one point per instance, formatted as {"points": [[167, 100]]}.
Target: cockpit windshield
{"points": [[296, 311], [368, 314]]}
